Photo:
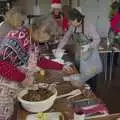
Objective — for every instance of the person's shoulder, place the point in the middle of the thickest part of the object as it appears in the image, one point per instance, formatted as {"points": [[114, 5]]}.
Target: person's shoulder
{"points": [[24, 29]]}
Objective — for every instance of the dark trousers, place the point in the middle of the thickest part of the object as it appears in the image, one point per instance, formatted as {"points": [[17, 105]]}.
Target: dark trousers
{"points": [[115, 59], [93, 83]]}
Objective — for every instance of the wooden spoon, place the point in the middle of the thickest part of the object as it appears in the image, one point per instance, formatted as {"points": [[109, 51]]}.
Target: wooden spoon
{"points": [[72, 93]]}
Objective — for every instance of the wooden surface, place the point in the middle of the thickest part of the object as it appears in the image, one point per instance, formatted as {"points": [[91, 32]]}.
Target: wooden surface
{"points": [[109, 117], [61, 105]]}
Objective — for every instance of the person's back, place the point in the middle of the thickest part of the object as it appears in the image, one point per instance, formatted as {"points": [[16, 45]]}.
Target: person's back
{"points": [[4, 29]]}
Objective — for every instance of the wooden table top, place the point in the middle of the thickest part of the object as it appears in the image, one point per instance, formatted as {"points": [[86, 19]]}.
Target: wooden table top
{"points": [[61, 105], [109, 117]]}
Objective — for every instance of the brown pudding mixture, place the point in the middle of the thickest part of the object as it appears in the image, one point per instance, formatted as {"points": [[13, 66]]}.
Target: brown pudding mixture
{"points": [[37, 95]]}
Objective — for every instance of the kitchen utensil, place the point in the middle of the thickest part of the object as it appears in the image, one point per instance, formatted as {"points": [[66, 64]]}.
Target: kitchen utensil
{"points": [[70, 94], [39, 106]]}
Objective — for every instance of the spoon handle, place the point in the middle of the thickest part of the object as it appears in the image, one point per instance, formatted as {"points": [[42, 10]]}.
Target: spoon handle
{"points": [[64, 95]]}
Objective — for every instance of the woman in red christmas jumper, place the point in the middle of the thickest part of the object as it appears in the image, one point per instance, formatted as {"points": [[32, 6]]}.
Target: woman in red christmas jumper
{"points": [[14, 54], [58, 15]]}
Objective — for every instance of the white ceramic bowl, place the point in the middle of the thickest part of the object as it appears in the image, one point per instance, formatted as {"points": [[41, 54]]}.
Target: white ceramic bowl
{"points": [[39, 106]]}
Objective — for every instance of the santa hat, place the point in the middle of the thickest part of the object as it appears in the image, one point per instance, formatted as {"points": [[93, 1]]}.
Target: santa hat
{"points": [[56, 4]]}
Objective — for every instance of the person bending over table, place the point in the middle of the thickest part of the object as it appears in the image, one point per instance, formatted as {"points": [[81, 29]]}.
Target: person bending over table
{"points": [[79, 25]]}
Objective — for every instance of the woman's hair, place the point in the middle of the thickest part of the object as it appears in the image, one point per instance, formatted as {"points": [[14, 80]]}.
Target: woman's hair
{"points": [[48, 23], [15, 16], [115, 4], [74, 14]]}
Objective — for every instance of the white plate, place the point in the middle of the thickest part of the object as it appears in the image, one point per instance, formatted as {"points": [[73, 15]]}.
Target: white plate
{"points": [[32, 117], [51, 116]]}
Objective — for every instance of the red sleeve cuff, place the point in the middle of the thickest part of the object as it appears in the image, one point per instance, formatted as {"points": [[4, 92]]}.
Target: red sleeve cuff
{"points": [[11, 72], [48, 64]]}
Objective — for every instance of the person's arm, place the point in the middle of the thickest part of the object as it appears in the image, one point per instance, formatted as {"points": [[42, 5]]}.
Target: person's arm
{"points": [[115, 23], [11, 72], [48, 64], [92, 33], [81, 77], [65, 39]]}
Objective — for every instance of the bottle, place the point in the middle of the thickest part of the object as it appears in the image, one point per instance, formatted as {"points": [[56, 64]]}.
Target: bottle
{"points": [[42, 74], [39, 76]]}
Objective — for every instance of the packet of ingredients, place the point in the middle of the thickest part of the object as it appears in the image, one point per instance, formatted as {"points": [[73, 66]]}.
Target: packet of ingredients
{"points": [[46, 116]]}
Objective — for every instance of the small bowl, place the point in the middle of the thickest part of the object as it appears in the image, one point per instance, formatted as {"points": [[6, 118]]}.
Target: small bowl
{"points": [[39, 106]]}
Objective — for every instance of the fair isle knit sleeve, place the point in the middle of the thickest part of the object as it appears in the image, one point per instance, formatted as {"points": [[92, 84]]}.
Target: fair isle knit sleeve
{"points": [[13, 53], [11, 72]]}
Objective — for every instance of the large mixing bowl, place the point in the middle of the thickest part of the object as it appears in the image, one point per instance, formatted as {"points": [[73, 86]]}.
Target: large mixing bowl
{"points": [[39, 106]]}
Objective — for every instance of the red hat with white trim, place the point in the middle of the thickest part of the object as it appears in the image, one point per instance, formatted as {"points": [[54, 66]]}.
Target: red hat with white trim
{"points": [[56, 4]]}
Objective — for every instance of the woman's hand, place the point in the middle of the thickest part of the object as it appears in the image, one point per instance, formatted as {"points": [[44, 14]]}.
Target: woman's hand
{"points": [[69, 68]]}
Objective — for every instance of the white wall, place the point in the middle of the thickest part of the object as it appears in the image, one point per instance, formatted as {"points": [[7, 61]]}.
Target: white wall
{"points": [[74, 3], [44, 5], [96, 12], [29, 4]]}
